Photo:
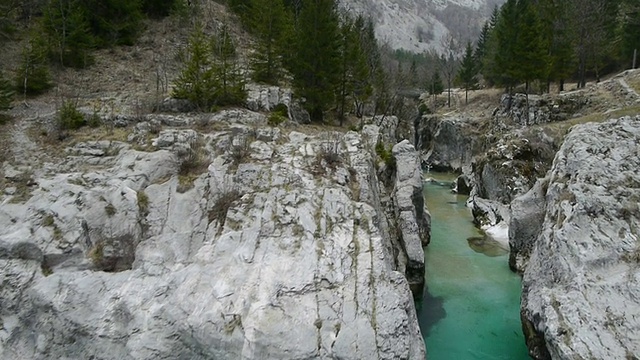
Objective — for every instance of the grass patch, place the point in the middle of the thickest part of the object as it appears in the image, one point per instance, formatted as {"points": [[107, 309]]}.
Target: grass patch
{"points": [[143, 202], [47, 220], [110, 210], [193, 163]]}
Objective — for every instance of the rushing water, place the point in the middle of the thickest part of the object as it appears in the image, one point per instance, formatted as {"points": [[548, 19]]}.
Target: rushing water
{"points": [[471, 305]]}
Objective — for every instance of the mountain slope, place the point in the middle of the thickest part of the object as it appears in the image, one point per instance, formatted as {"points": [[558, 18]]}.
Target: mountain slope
{"points": [[421, 25]]}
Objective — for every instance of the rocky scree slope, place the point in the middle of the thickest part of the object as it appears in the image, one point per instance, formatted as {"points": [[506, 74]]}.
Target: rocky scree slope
{"points": [[576, 234], [282, 246]]}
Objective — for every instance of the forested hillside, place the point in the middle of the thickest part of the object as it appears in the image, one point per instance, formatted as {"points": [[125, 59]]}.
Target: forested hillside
{"points": [[554, 41], [329, 57]]}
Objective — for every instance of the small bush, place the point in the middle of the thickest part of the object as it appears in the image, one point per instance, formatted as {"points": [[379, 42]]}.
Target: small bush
{"points": [[193, 163], [281, 109], [94, 120], [275, 120], [328, 156], [143, 202], [386, 155], [423, 109], [110, 210], [69, 118], [48, 220], [193, 160], [222, 205], [240, 152]]}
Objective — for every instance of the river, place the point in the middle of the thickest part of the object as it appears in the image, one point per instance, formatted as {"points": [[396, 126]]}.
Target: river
{"points": [[471, 305]]}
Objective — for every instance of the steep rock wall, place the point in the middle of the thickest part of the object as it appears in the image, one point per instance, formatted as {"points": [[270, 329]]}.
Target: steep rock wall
{"points": [[581, 284], [279, 250]]}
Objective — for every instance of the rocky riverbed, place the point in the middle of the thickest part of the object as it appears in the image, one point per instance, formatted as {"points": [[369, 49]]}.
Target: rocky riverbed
{"points": [[213, 237]]}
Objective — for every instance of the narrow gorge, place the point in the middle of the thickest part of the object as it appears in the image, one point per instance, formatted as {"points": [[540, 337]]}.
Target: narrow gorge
{"points": [[553, 180]]}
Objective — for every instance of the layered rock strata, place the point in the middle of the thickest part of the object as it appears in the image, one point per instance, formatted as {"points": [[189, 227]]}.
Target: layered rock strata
{"points": [[279, 249]]}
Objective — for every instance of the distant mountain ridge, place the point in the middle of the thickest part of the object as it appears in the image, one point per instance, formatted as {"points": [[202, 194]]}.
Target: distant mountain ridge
{"points": [[422, 25]]}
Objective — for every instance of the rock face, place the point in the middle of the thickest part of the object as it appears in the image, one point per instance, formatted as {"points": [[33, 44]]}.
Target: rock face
{"points": [[582, 283], [527, 217], [445, 143], [536, 109], [414, 221], [280, 249]]}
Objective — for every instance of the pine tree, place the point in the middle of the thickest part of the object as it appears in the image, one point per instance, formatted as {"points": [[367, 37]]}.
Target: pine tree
{"points": [[271, 23], [196, 81], [530, 49], [481, 46], [468, 72], [557, 33], [114, 22], [67, 29], [363, 72], [316, 56], [33, 75], [8, 9], [630, 31], [435, 86], [227, 76], [501, 62]]}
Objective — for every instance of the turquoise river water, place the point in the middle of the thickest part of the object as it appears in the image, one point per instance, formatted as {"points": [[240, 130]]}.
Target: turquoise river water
{"points": [[470, 309]]}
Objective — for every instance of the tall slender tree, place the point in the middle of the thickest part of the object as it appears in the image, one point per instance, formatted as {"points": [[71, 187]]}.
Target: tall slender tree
{"points": [[271, 23], [228, 79], [33, 76], [316, 56], [354, 70], [530, 48], [468, 73], [67, 29], [196, 81]]}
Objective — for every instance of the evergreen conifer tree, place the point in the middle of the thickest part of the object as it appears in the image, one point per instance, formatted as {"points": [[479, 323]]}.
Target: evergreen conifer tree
{"points": [[196, 81], [558, 35], [364, 52], [468, 72], [228, 78], [271, 23], [435, 86], [316, 56], [33, 75], [630, 31], [353, 67], [501, 64], [530, 50], [114, 22], [67, 29], [481, 46]]}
